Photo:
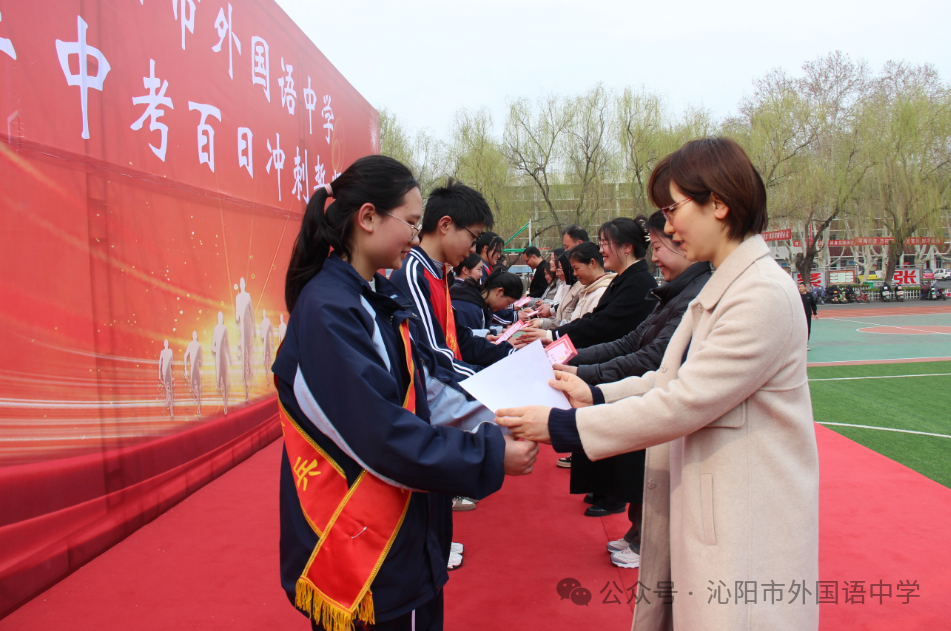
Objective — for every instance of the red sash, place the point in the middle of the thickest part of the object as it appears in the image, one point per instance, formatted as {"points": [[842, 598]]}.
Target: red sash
{"points": [[442, 307], [357, 525]]}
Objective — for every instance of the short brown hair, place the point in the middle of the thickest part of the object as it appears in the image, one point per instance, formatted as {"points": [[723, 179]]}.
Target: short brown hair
{"points": [[715, 166]]}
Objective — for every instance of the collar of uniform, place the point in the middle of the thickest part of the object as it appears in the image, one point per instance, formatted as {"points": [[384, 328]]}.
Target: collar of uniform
{"points": [[345, 272], [668, 291], [735, 264], [435, 267], [386, 299]]}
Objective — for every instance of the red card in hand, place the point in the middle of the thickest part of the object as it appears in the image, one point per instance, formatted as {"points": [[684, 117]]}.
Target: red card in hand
{"points": [[560, 351], [512, 330]]}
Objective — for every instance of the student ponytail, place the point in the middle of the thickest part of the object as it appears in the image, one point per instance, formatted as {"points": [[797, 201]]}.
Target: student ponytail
{"points": [[510, 283], [377, 180]]}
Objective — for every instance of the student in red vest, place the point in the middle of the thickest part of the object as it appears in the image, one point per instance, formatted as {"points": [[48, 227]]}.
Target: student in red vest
{"points": [[370, 459], [454, 219]]}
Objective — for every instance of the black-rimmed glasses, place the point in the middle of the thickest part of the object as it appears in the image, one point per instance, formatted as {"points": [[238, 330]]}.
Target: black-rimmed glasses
{"points": [[472, 234]]}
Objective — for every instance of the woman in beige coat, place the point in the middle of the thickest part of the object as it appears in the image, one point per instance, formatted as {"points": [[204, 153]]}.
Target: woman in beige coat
{"points": [[730, 527]]}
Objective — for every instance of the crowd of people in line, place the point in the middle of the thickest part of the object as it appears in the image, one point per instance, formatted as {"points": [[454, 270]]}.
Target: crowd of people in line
{"points": [[700, 378]]}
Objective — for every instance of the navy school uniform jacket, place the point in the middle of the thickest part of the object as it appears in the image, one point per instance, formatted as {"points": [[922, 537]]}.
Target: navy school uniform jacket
{"points": [[471, 309], [342, 376], [476, 351]]}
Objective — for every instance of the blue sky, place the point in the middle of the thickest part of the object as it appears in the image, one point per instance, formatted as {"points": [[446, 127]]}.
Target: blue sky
{"points": [[425, 60]]}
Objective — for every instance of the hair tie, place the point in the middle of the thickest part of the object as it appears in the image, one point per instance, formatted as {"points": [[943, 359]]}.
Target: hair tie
{"points": [[330, 191]]}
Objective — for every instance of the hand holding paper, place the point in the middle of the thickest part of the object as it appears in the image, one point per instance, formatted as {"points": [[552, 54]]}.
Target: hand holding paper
{"points": [[578, 392], [530, 423]]}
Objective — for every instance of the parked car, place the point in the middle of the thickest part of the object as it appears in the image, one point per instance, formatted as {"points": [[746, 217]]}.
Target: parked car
{"points": [[942, 274], [927, 274]]}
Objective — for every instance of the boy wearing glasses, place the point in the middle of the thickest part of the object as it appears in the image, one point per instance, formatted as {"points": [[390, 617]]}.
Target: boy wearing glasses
{"points": [[454, 218]]}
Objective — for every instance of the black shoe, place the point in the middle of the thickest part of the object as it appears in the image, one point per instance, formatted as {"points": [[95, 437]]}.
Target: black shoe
{"points": [[565, 463], [589, 498], [597, 511]]}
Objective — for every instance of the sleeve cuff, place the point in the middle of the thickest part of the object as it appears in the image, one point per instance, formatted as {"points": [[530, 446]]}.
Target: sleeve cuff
{"points": [[597, 395], [563, 429]]}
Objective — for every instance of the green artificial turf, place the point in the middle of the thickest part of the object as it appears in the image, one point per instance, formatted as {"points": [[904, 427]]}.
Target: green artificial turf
{"points": [[921, 404]]}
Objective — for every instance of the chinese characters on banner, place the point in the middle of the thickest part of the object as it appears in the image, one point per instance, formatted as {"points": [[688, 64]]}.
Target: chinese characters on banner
{"points": [[145, 230], [786, 235], [777, 235]]}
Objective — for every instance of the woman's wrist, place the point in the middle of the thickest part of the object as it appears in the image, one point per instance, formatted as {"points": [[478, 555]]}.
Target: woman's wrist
{"points": [[563, 429]]}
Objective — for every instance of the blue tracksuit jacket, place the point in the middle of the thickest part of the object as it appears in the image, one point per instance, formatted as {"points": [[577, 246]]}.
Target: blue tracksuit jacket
{"points": [[342, 376]]}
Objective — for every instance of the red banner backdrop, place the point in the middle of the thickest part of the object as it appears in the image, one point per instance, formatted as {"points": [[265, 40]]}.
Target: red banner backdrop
{"points": [[156, 158]]}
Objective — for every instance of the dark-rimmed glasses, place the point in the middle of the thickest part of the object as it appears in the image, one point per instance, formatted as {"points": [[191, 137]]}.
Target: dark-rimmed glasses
{"points": [[415, 229], [472, 234], [669, 210]]}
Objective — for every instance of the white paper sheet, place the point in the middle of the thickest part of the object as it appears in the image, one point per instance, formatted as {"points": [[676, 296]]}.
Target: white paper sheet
{"points": [[518, 380]]}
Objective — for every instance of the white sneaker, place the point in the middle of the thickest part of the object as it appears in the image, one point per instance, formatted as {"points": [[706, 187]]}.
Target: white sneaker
{"points": [[617, 546], [455, 561], [456, 548], [626, 558], [462, 504]]}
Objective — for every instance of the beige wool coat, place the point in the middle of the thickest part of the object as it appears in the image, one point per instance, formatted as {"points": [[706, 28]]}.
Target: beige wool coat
{"points": [[731, 488]]}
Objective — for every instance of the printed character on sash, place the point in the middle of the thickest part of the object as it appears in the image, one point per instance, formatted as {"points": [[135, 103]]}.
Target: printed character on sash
{"points": [[378, 436]]}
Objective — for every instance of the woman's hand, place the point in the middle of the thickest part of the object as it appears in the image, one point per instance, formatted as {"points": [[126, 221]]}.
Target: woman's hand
{"points": [[523, 315], [519, 456], [578, 392], [571, 370], [491, 338], [529, 335], [530, 422], [544, 311]]}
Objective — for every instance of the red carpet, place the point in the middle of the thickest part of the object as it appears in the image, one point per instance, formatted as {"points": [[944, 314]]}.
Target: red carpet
{"points": [[211, 561]]}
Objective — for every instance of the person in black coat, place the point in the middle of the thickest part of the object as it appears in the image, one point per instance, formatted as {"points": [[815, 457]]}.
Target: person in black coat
{"points": [[533, 258], [642, 350], [624, 305], [809, 304]]}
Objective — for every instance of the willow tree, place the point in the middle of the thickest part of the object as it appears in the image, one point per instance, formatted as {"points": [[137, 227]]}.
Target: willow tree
{"points": [[911, 178], [478, 160], [533, 140], [425, 154], [587, 154], [807, 138]]}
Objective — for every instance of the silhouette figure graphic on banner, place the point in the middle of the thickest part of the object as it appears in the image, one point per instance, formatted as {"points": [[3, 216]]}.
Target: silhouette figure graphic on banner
{"points": [[267, 332], [244, 316], [281, 330], [165, 377], [222, 352], [192, 361]]}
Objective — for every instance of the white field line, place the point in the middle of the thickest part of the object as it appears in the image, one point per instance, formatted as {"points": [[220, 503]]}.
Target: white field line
{"points": [[885, 429], [890, 360], [891, 326], [935, 374]]}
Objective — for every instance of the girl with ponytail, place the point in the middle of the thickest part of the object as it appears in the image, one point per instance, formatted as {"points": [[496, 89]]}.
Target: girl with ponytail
{"points": [[474, 304], [369, 470]]}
